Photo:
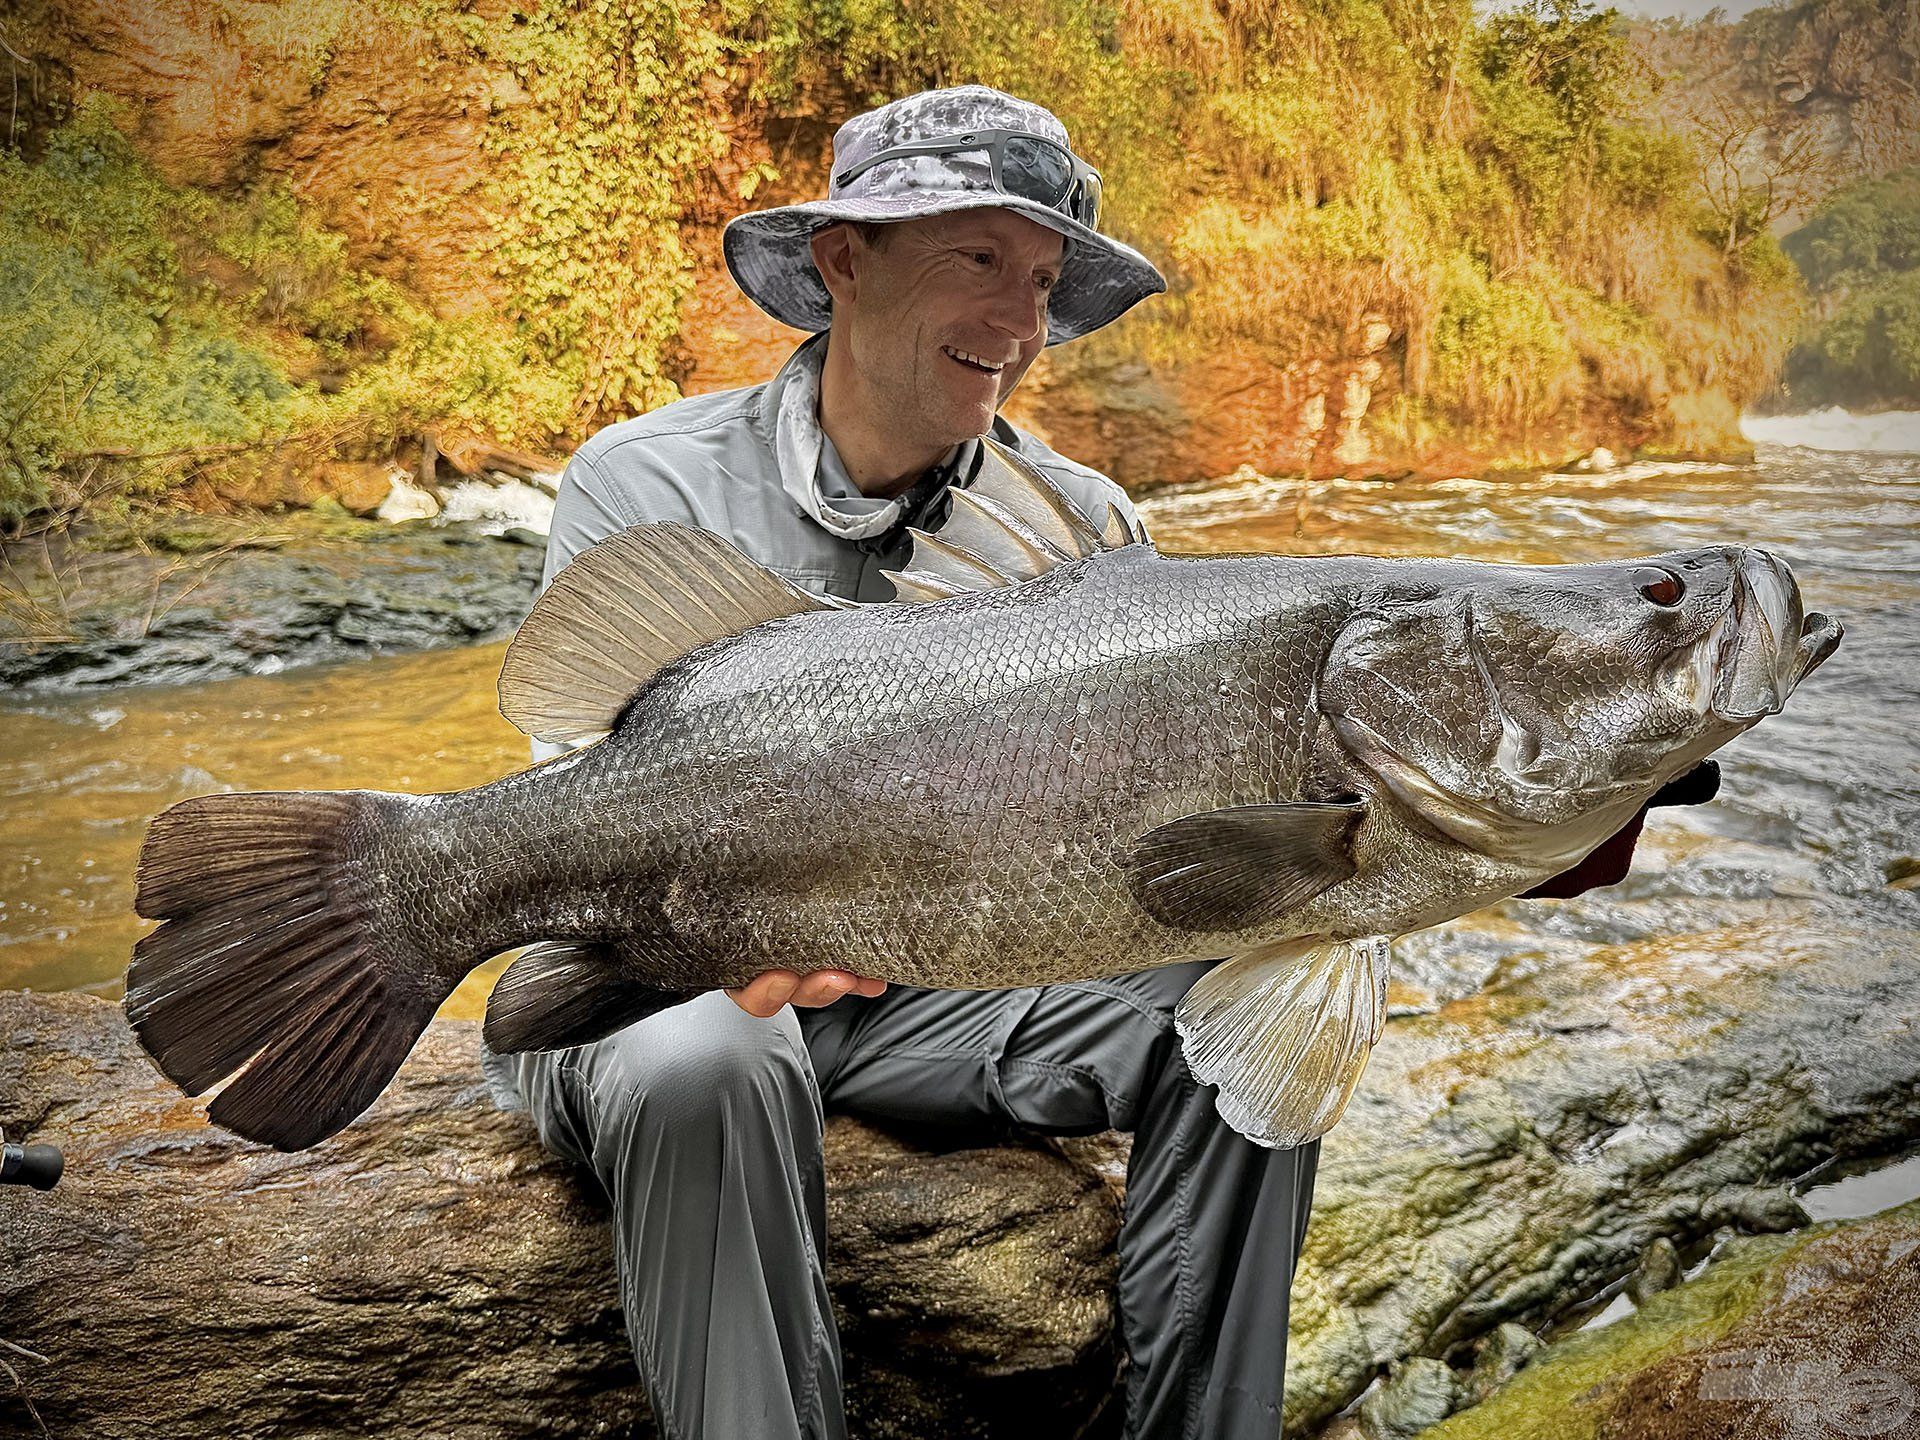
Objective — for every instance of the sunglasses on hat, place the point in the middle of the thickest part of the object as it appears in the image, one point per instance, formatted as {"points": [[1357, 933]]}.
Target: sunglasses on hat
{"points": [[1027, 167]]}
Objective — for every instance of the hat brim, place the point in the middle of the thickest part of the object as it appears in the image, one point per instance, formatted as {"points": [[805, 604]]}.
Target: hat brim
{"points": [[769, 256]]}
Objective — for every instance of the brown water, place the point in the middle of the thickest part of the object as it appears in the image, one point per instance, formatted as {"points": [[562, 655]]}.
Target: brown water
{"points": [[1820, 806], [80, 777]]}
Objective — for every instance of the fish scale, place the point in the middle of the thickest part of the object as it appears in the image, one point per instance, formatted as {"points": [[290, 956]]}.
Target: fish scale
{"points": [[1072, 757]]}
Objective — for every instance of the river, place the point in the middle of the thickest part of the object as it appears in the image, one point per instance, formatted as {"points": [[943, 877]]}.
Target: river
{"points": [[1818, 820]]}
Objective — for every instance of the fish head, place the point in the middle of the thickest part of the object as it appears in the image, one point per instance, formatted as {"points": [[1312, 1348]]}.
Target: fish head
{"points": [[1527, 711]]}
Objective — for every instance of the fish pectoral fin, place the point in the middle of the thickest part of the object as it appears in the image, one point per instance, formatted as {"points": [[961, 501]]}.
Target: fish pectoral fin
{"points": [[622, 611], [1285, 1032], [1244, 865], [560, 994], [1010, 525]]}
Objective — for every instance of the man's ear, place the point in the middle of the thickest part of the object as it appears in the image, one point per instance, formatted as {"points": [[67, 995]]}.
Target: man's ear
{"points": [[833, 247]]}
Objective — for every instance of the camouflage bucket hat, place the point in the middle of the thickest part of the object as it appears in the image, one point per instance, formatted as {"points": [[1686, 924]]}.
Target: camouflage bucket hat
{"points": [[1022, 149]]}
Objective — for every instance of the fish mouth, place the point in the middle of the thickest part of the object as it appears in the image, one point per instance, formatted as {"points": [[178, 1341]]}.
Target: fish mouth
{"points": [[1762, 646]]}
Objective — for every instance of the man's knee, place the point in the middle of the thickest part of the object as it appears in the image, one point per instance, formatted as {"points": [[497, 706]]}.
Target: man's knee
{"points": [[700, 1067]]}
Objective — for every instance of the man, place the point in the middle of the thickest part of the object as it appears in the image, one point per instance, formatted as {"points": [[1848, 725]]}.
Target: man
{"points": [[957, 240]]}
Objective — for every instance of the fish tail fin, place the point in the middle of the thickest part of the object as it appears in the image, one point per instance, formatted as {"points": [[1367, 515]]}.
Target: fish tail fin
{"points": [[271, 954]]}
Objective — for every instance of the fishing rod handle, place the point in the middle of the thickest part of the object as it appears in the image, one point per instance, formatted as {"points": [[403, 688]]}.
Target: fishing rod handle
{"points": [[35, 1165]]}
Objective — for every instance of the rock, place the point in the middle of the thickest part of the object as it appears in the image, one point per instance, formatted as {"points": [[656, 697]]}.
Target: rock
{"points": [[361, 487], [1505, 1159], [1902, 872], [1659, 1269], [974, 1288], [1811, 1334], [1501, 1356], [474, 455], [1761, 1209], [432, 1271], [1419, 1392], [1596, 461], [288, 476], [292, 598]]}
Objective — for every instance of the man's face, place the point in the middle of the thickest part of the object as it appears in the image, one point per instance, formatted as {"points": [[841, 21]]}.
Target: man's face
{"points": [[974, 283]]}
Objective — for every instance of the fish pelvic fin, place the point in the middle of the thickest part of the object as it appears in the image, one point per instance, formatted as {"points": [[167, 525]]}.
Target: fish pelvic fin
{"points": [[622, 611], [1285, 1032], [1010, 525], [1242, 865], [558, 994], [271, 955]]}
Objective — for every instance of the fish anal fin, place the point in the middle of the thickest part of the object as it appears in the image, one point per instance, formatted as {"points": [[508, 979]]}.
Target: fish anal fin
{"points": [[1244, 865], [621, 611], [558, 994], [1284, 1032]]}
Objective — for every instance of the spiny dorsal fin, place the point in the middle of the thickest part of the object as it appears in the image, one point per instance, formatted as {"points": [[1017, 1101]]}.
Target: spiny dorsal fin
{"points": [[1012, 524], [617, 613]]}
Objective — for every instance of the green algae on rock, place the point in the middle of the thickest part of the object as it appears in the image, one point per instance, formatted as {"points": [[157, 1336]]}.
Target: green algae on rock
{"points": [[1814, 1333], [1513, 1154]]}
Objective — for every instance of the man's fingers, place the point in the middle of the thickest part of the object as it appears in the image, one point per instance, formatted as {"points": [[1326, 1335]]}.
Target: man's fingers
{"points": [[823, 987], [766, 993]]}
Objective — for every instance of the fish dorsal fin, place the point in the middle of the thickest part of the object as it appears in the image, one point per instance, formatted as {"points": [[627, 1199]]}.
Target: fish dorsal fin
{"points": [[619, 612], [1012, 524]]}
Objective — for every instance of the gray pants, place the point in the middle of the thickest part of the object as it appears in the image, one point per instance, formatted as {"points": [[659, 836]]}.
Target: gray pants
{"points": [[703, 1123]]}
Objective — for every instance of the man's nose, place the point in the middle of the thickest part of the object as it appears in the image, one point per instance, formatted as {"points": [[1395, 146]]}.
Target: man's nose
{"points": [[1020, 309]]}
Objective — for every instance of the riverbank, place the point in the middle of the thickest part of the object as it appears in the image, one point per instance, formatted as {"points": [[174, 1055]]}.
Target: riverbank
{"points": [[1572, 1098], [418, 226], [200, 597]]}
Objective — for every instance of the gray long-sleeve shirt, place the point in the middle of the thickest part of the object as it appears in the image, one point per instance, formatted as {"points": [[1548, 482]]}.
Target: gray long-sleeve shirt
{"points": [[712, 461]]}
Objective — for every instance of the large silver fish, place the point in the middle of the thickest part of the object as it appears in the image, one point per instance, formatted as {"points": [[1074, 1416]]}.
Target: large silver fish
{"points": [[1063, 755]]}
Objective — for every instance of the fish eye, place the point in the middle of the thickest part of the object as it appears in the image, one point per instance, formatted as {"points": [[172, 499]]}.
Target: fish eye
{"points": [[1661, 586]]}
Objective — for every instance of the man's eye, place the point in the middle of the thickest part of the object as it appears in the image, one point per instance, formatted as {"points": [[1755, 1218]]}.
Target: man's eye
{"points": [[1047, 282], [984, 256]]}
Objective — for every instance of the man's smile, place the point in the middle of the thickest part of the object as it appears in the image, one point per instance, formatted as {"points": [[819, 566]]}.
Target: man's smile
{"points": [[971, 360]]}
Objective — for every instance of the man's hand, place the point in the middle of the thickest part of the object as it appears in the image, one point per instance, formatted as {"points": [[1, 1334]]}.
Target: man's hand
{"points": [[768, 991], [1608, 864]]}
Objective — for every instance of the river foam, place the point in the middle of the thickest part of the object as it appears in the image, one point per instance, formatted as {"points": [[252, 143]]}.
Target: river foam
{"points": [[1888, 432]]}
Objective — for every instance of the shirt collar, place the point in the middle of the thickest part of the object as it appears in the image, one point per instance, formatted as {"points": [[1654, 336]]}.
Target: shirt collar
{"points": [[811, 470]]}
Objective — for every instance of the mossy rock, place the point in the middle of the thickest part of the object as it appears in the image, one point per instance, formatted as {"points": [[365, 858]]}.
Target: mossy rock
{"points": [[1815, 1332]]}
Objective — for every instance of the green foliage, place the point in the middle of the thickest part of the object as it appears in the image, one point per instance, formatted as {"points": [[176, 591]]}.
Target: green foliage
{"points": [[1499, 354], [1861, 233], [1482, 182], [115, 366], [1574, 55], [1643, 168], [598, 170], [1548, 75], [1860, 256], [1869, 348]]}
